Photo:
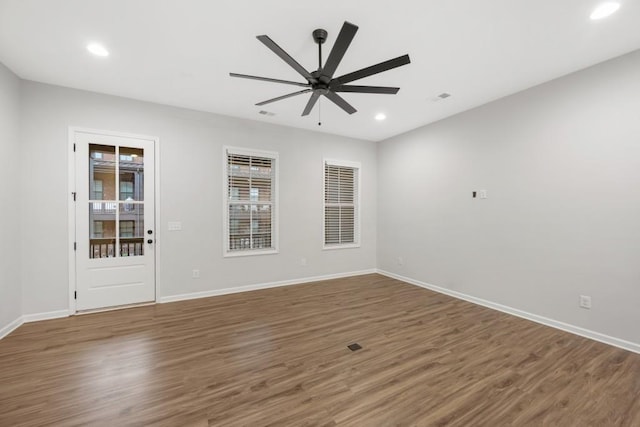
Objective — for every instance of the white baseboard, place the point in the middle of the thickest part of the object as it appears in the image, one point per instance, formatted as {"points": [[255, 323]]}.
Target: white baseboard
{"points": [[11, 327], [586, 333], [225, 291], [45, 316], [31, 318], [34, 317]]}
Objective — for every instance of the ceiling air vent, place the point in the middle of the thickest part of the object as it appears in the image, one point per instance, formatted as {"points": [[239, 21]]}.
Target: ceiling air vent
{"points": [[443, 95]]}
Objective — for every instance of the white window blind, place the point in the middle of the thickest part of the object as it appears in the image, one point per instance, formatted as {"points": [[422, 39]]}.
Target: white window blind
{"points": [[250, 202], [341, 204]]}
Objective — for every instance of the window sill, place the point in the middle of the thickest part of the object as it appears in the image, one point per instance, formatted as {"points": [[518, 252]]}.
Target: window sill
{"points": [[344, 246], [255, 252]]}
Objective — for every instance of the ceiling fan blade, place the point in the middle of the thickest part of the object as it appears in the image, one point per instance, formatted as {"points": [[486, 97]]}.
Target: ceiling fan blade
{"points": [[286, 57], [368, 89], [311, 103], [374, 69], [340, 102], [341, 45], [267, 79], [268, 101]]}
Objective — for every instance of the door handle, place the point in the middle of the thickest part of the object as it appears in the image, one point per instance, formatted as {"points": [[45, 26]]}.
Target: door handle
{"points": [[149, 241]]}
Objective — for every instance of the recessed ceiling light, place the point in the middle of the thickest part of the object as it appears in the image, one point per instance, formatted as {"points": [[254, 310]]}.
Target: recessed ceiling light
{"points": [[97, 49], [380, 116], [604, 10]]}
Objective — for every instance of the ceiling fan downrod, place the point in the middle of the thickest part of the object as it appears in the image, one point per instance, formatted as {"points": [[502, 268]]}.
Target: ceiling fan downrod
{"points": [[320, 36]]}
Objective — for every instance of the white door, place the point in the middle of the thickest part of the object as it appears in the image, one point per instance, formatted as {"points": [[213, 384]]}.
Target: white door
{"points": [[115, 230]]}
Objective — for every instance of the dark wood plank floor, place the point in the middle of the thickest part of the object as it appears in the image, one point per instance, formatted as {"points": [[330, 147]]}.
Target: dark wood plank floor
{"points": [[279, 357]]}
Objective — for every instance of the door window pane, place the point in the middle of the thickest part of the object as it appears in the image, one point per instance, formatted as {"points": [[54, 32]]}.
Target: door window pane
{"points": [[102, 172], [132, 216], [131, 165], [131, 229], [102, 230]]}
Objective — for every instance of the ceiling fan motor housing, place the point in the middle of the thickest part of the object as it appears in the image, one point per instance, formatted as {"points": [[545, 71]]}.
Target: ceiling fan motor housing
{"points": [[320, 35]]}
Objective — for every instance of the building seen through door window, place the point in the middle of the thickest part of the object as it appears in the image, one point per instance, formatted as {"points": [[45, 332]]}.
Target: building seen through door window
{"points": [[97, 190], [127, 228], [116, 191], [126, 190]]}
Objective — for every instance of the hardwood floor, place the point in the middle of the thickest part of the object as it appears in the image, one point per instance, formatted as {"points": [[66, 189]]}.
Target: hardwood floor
{"points": [[279, 357]]}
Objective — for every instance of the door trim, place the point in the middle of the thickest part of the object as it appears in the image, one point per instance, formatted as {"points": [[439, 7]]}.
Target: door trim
{"points": [[72, 206]]}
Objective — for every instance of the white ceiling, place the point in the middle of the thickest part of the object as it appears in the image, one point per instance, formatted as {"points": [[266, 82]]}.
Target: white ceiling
{"points": [[180, 52]]}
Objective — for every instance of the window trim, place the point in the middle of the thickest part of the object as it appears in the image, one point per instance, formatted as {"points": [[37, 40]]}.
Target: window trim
{"points": [[226, 253], [357, 228]]}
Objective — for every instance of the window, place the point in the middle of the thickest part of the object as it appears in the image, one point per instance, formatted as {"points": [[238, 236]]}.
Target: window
{"points": [[341, 200], [97, 189], [126, 229], [250, 202], [98, 231], [126, 190]]}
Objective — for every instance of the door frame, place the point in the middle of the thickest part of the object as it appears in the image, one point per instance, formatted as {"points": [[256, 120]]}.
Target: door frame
{"points": [[73, 130]]}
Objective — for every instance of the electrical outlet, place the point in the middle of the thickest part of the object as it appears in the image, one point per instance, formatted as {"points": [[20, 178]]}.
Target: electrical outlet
{"points": [[195, 274], [400, 261], [585, 301], [303, 261], [483, 194]]}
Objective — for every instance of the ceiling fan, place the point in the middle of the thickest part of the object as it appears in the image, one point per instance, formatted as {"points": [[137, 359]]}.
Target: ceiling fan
{"points": [[321, 81]]}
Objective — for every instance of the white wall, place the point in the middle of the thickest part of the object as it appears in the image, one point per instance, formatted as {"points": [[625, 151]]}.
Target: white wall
{"points": [[10, 291], [561, 164], [191, 192]]}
